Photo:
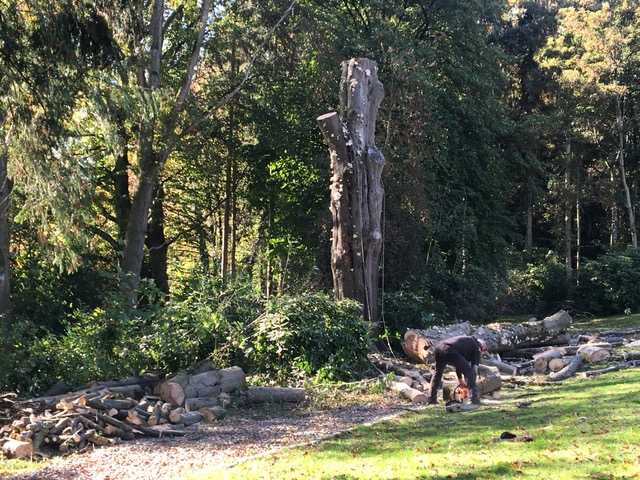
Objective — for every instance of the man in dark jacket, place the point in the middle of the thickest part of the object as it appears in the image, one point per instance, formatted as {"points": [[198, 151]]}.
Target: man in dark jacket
{"points": [[463, 353]]}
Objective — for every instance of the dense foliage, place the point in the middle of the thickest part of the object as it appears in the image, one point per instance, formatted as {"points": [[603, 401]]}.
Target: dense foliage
{"points": [[160, 206]]}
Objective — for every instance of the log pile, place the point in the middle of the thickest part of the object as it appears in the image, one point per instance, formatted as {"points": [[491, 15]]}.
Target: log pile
{"points": [[542, 348], [77, 422], [105, 413], [412, 382]]}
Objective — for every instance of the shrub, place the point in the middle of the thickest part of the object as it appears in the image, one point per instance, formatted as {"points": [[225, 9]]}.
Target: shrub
{"points": [[534, 285], [116, 340], [611, 283], [410, 307], [310, 335]]}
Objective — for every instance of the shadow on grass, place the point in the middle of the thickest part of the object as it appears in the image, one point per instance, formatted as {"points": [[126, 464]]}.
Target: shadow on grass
{"points": [[580, 405]]}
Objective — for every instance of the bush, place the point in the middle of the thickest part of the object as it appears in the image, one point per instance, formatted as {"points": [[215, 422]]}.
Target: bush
{"points": [[116, 340], [470, 296], [534, 285], [310, 335], [611, 283], [410, 307]]}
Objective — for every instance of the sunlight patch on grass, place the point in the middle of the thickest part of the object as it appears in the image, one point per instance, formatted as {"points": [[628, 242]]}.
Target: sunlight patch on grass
{"points": [[13, 467], [582, 429]]}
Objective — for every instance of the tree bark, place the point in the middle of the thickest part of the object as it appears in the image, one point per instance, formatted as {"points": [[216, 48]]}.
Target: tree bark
{"points": [[157, 243], [567, 215], [122, 199], [529, 235], [5, 261], [499, 337], [613, 234], [623, 174], [578, 219], [226, 225], [234, 221], [357, 193]]}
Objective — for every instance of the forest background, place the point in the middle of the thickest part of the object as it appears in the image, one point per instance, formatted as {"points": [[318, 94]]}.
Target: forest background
{"points": [[164, 186]]}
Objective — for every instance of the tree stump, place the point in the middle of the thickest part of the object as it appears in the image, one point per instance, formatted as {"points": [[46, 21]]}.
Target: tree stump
{"points": [[357, 193]]}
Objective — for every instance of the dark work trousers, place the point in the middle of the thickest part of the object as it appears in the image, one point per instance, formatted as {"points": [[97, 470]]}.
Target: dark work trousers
{"points": [[463, 367]]}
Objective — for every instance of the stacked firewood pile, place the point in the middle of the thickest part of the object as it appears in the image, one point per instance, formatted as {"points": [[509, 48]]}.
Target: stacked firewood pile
{"points": [[530, 352], [108, 412]]}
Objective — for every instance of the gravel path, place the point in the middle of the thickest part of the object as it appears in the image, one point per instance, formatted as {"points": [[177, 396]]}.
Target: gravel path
{"points": [[222, 443]]}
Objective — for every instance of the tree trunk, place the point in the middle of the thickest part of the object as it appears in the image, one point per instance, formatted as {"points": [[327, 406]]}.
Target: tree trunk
{"points": [[157, 243], [613, 235], [567, 215], [133, 253], [499, 337], [529, 236], [5, 262], [357, 193], [122, 199], [623, 175], [578, 219], [152, 157], [226, 225], [234, 222], [202, 242]]}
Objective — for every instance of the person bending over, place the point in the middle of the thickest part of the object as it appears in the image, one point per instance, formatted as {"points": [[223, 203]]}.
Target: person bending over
{"points": [[463, 353]]}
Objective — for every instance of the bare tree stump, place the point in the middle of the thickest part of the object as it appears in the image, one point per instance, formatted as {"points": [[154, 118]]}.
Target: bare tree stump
{"points": [[357, 193]]}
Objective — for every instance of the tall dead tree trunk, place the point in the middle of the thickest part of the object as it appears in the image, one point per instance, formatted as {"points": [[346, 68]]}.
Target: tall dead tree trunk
{"points": [[357, 193], [623, 174]]}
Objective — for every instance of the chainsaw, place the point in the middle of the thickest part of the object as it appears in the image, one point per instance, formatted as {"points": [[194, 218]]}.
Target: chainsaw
{"points": [[460, 394]]}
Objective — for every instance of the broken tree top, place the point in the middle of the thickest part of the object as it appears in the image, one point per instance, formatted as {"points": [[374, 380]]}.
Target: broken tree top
{"points": [[499, 337]]}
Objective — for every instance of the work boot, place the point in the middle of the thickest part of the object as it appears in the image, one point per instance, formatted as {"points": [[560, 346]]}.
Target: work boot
{"points": [[475, 398]]}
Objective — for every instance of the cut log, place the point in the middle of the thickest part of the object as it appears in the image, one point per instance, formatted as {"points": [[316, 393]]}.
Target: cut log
{"points": [[176, 415], [405, 391], [499, 337], [613, 368], [487, 383], [211, 414], [275, 394], [17, 449], [593, 353], [504, 367], [189, 418], [172, 392], [557, 364], [205, 384], [404, 369], [631, 356], [541, 360], [194, 404], [568, 371], [408, 380]]}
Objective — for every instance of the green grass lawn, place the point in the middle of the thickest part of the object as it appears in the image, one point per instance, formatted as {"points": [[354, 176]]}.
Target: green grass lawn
{"points": [[582, 429], [607, 323]]}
